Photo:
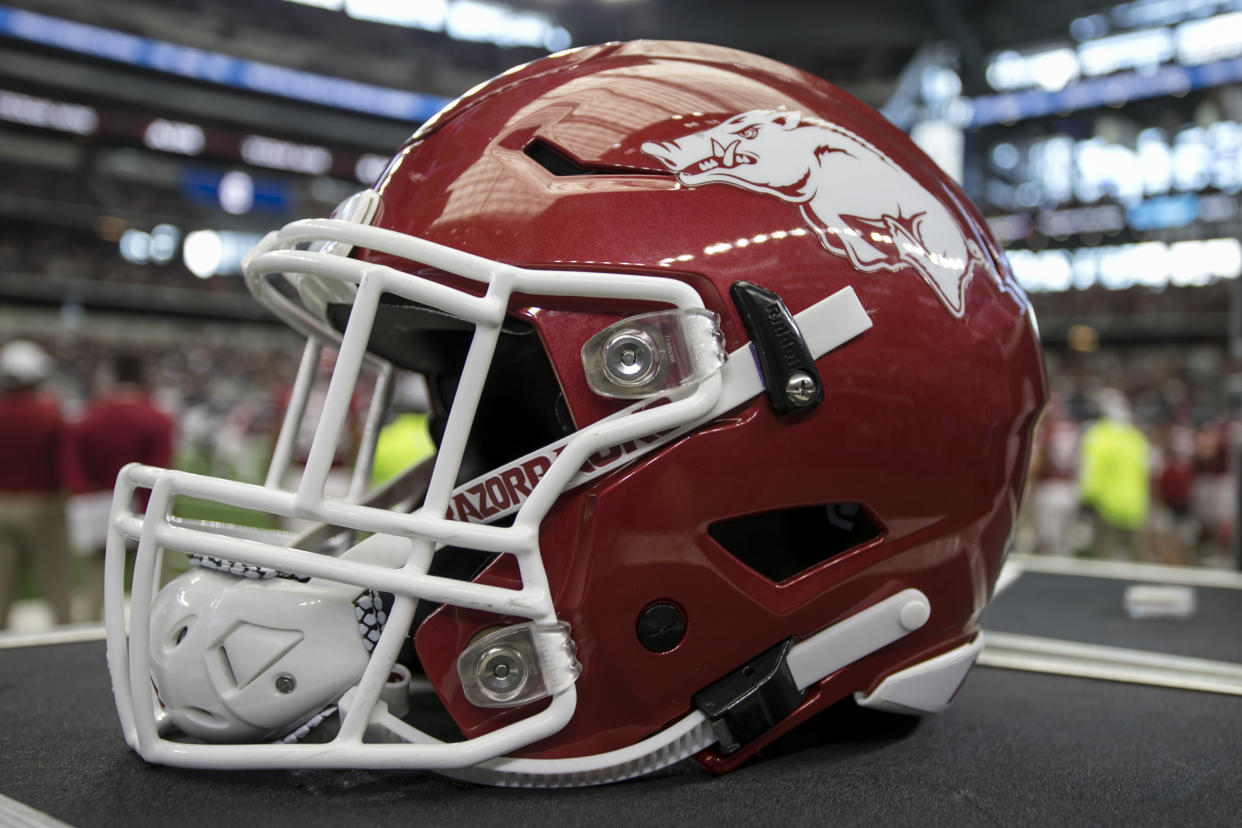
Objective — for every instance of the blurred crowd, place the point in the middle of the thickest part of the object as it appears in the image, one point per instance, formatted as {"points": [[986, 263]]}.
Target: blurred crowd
{"points": [[47, 457], [1135, 305], [1134, 458], [75, 409]]}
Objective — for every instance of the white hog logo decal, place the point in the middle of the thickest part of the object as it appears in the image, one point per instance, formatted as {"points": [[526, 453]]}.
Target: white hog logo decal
{"points": [[858, 202]]}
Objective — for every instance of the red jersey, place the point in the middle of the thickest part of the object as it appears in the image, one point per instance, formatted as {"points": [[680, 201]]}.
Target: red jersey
{"points": [[1057, 449], [31, 441], [1212, 448], [117, 428]]}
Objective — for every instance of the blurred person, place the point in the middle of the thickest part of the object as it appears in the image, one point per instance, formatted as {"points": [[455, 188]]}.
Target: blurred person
{"points": [[1054, 477], [406, 439], [32, 507], [1173, 478], [121, 425], [235, 448], [1211, 495], [1113, 480]]}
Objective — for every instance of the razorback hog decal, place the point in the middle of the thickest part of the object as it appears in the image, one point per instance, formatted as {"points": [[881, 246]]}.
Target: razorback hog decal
{"points": [[858, 202]]}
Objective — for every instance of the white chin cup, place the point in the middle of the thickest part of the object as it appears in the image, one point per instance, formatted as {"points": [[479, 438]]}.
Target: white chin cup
{"points": [[235, 659]]}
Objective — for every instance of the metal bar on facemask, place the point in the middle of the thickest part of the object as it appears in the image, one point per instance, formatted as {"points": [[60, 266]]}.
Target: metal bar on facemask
{"points": [[381, 399], [448, 461], [114, 589], [143, 587], [336, 405], [282, 455], [462, 413]]}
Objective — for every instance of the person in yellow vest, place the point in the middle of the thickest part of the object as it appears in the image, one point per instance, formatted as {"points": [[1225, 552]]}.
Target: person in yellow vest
{"points": [[405, 440], [1113, 482]]}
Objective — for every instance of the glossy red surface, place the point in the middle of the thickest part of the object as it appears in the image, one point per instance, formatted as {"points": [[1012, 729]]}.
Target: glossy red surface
{"points": [[926, 418]]}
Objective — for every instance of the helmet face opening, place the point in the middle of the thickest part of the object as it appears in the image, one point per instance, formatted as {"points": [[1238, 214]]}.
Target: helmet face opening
{"points": [[731, 393], [521, 407]]}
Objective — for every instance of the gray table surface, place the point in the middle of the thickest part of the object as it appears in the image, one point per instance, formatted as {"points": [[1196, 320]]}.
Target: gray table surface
{"points": [[1015, 748]]}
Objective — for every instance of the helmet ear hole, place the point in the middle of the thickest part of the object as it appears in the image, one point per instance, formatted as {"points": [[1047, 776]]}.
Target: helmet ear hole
{"points": [[784, 543]]}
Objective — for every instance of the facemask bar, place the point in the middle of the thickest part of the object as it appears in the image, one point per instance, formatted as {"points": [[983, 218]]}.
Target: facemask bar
{"points": [[358, 208], [282, 453], [419, 533]]}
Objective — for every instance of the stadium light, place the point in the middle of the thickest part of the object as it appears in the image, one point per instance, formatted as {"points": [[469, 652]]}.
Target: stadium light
{"points": [[1149, 264], [135, 246], [236, 192], [202, 253], [369, 167], [34, 111], [286, 155], [174, 136], [472, 20], [208, 253], [413, 14]]}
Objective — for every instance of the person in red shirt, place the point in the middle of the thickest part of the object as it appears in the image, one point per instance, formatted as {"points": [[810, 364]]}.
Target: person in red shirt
{"points": [[1211, 496], [120, 426], [1054, 480], [32, 508]]}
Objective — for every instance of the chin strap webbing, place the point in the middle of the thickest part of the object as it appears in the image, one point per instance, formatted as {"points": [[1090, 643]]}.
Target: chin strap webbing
{"points": [[808, 662], [371, 616], [241, 570], [310, 724]]}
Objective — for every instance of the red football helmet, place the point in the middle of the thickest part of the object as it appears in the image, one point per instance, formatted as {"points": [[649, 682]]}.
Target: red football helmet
{"points": [[733, 393]]}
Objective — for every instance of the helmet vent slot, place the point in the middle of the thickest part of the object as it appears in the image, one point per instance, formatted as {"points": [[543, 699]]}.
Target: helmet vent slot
{"points": [[784, 543], [560, 163]]}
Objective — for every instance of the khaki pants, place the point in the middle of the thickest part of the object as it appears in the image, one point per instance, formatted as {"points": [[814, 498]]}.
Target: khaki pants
{"points": [[32, 529]]}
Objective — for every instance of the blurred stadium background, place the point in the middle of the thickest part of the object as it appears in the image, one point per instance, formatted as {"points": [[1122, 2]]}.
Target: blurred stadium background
{"points": [[145, 145]]}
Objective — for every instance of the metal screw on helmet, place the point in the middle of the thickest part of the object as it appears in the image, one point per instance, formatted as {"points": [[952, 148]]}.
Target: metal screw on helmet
{"points": [[800, 387], [285, 683], [502, 672], [630, 357]]}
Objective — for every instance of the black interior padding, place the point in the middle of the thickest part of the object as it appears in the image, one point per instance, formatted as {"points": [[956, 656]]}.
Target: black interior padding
{"points": [[783, 543], [521, 408]]}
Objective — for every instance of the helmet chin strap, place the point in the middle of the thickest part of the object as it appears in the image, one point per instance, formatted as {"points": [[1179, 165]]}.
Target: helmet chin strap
{"points": [[924, 687]]}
